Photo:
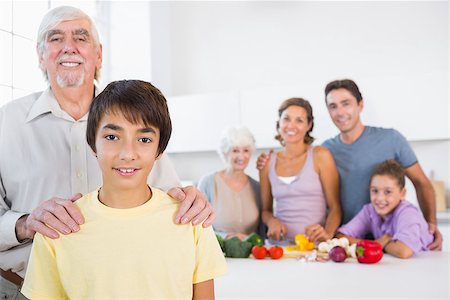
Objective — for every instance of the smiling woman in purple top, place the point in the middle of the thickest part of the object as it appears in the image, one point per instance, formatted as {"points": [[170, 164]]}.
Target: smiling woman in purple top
{"points": [[301, 180]]}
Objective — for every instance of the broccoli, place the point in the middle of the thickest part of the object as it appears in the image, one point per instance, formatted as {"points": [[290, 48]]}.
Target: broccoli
{"points": [[236, 248], [221, 241]]}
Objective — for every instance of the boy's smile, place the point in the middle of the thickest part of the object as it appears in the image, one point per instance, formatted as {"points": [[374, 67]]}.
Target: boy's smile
{"points": [[126, 171], [126, 153], [385, 194]]}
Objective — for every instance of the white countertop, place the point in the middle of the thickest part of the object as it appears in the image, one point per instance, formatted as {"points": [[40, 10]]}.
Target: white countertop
{"points": [[425, 276]]}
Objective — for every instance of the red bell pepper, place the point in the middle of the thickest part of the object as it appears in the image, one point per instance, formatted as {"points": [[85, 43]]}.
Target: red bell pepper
{"points": [[369, 252]]}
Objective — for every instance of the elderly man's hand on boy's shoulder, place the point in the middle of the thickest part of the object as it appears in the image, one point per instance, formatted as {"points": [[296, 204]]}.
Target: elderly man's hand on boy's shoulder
{"points": [[194, 206], [50, 216], [436, 245]]}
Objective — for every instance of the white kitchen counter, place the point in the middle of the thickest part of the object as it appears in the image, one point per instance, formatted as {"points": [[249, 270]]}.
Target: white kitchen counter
{"points": [[425, 276]]}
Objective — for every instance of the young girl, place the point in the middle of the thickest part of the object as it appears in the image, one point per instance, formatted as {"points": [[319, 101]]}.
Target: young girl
{"points": [[397, 225]]}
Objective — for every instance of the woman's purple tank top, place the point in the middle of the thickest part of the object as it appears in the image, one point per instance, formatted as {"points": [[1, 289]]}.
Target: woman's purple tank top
{"points": [[300, 203]]}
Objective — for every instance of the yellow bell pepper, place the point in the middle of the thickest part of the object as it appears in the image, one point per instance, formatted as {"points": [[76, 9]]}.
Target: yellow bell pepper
{"points": [[303, 243]]}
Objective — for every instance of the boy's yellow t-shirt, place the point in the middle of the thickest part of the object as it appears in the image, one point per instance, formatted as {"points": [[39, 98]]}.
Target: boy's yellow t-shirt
{"points": [[135, 253]]}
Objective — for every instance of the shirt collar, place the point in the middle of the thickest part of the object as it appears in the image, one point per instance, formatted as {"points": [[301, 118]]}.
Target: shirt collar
{"points": [[388, 218], [42, 105], [47, 103]]}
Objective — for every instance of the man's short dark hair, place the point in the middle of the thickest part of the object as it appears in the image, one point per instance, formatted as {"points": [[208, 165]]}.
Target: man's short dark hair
{"points": [[347, 84], [138, 101]]}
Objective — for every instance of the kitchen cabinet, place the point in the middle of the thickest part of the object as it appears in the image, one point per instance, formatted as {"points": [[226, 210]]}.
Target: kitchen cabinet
{"points": [[199, 119], [424, 276]]}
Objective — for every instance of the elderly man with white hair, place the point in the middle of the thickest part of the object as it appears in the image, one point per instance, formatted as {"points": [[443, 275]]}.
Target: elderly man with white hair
{"points": [[45, 162], [235, 196]]}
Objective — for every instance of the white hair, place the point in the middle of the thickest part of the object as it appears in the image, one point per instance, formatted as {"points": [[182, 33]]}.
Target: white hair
{"points": [[233, 137], [60, 14]]}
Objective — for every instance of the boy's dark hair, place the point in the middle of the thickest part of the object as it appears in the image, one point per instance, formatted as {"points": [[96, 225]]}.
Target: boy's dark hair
{"points": [[347, 84], [309, 114], [392, 169], [138, 101]]}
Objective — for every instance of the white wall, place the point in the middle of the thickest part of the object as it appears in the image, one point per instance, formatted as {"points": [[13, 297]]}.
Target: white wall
{"points": [[267, 51], [127, 52], [215, 46]]}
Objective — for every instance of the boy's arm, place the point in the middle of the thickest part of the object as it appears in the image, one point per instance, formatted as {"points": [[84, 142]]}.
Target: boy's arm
{"points": [[358, 227], [408, 236], [384, 240], [398, 249], [203, 290], [395, 248], [210, 262]]}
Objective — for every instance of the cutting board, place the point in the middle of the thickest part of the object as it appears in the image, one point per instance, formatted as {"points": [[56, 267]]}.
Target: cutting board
{"points": [[298, 254], [439, 190]]}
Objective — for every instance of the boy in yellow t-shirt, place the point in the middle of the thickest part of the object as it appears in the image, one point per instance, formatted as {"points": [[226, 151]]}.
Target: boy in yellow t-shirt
{"points": [[128, 248]]}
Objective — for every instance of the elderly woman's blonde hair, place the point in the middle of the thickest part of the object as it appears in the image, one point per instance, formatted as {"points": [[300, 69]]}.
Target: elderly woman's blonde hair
{"points": [[233, 137]]}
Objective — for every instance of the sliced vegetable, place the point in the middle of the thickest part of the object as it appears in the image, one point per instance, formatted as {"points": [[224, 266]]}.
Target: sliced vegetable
{"points": [[303, 244], [369, 252]]}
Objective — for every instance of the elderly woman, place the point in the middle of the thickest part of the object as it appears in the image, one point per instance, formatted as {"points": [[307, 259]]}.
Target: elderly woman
{"points": [[234, 195]]}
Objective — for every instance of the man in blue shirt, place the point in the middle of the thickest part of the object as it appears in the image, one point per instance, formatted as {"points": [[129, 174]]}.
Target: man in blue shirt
{"points": [[359, 148]]}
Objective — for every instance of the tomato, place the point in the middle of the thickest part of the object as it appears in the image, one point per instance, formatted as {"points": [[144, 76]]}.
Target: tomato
{"points": [[276, 252], [259, 252]]}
